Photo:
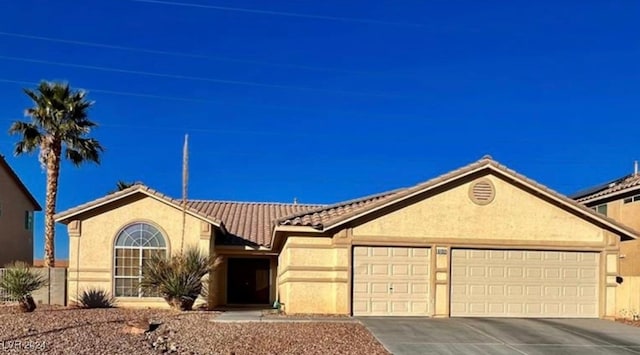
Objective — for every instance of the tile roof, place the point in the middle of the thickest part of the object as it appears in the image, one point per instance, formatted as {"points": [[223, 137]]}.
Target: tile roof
{"points": [[138, 187], [21, 186], [252, 223], [621, 185], [318, 217], [333, 215], [248, 223]]}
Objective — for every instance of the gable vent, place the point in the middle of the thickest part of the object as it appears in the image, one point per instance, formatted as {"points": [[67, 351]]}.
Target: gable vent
{"points": [[482, 192]]}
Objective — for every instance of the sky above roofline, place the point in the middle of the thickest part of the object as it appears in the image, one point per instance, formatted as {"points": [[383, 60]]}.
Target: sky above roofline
{"points": [[328, 101]]}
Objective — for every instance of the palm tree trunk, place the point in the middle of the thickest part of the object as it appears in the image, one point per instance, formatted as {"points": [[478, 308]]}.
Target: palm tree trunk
{"points": [[53, 172]]}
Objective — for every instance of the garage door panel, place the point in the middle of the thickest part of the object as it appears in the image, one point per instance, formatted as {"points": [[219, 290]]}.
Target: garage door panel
{"points": [[391, 281], [524, 283]]}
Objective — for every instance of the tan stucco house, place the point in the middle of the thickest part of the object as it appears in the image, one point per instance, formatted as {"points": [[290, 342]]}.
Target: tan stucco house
{"points": [[619, 199], [17, 207], [482, 240]]}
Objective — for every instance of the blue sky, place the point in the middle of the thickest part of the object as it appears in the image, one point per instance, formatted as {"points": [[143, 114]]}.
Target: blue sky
{"points": [[327, 101]]}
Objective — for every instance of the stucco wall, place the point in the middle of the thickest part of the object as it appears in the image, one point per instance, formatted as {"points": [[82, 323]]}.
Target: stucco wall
{"points": [[514, 215], [628, 297], [629, 214], [92, 241], [16, 240], [313, 276], [516, 218]]}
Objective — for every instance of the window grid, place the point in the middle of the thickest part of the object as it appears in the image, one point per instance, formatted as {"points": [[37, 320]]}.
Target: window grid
{"points": [[602, 209], [632, 199], [135, 244]]}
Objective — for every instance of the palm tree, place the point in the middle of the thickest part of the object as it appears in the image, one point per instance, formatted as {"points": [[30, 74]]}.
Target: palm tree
{"points": [[122, 185], [58, 128]]}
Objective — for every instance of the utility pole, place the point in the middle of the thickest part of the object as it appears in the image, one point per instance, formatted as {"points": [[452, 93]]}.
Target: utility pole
{"points": [[185, 184]]}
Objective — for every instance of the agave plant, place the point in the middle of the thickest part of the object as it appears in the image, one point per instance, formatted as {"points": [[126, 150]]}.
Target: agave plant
{"points": [[178, 279], [95, 298], [20, 281]]}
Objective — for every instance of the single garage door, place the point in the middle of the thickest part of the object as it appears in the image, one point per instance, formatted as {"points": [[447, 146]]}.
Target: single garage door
{"points": [[390, 281], [509, 283]]}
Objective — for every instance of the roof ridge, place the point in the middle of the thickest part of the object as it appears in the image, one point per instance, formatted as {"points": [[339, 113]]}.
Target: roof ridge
{"points": [[257, 202], [618, 186], [124, 192], [484, 160], [341, 203], [484, 163]]}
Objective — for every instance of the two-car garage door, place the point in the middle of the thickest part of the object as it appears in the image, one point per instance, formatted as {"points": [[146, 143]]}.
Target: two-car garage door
{"points": [[514, 283], [395, 281]]}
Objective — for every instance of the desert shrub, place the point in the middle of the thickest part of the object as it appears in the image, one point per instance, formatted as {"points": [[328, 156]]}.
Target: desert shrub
{"points": [[20, 281], [177, 279], [95, 298]]}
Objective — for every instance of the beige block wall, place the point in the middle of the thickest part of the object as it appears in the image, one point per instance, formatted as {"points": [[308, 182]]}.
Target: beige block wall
{"points": [[91, 247], [16, 240], [313, 276], [55, 292]]}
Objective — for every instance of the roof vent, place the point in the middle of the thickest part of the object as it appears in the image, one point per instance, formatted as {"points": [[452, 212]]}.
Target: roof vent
{"points": [[482, 192]]}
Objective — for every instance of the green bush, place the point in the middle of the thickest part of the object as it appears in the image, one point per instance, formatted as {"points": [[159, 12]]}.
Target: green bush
{"points": [[20, 281], [177, 279], [95, 298]]}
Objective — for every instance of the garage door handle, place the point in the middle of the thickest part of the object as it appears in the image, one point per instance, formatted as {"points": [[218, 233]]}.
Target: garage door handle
{"points": [[390, 288]]}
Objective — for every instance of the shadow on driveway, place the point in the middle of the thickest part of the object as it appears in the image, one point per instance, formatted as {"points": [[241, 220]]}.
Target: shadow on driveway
{"points": [[503, 336]]}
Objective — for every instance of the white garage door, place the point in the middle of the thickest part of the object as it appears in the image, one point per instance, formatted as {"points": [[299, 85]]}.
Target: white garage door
{"points": [[390, 281], [508, 283]]}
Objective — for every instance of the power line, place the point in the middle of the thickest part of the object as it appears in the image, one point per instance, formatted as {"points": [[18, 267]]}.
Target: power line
{"points": [[206, 101], [194, 78], [280, 13], [188, 55]]}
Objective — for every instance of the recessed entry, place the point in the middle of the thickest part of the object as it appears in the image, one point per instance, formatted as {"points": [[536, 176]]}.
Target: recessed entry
{"points": [[482, 192]]}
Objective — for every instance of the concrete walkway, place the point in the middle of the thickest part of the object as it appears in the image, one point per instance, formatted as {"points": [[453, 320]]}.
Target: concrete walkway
{"points": [[248, 315], [256, 315]]}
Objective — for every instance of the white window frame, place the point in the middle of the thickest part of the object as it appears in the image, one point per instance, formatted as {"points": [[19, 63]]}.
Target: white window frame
{"points": [[158, 234]]}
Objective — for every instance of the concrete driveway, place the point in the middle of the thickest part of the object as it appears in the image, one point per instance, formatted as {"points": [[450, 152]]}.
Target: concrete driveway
{"points": [[503, 336]]}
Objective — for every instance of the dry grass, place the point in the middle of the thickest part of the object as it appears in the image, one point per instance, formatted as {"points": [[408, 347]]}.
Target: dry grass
{"points": [[634, 323], [57, 330]]}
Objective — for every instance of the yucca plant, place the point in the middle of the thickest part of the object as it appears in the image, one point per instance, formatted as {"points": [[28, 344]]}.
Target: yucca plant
{"points": [[177, 279], [95, 298], [20, 281]]}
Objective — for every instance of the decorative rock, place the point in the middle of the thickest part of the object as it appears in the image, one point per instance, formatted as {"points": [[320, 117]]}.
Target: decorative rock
{"points": [[137, 327]]}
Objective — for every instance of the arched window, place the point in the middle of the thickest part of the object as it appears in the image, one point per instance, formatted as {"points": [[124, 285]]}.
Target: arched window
{"points": [[134, 245]]}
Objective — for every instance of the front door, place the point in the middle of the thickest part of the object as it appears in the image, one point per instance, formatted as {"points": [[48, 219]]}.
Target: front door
{"points": [[248, 281]]}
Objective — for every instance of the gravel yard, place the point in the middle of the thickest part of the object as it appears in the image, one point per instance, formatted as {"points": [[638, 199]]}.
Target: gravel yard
{"points": [[634, 323], [100, 331]]}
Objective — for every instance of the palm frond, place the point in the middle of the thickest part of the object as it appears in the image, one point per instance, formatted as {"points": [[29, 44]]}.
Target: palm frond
{"points": [[31, 136], [80, 150]]}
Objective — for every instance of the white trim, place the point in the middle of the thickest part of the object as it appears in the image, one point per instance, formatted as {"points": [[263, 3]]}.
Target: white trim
{"points": [[140, 190], [582, 210], [415, 193]]}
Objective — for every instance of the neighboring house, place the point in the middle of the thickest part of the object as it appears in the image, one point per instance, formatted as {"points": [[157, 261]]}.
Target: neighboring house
{"points": [[619, 199], [17, 207], [478, 241]]}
